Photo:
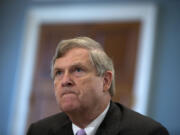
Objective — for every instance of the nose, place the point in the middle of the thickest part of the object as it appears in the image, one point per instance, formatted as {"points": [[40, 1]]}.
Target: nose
{"points": [[67, 80]]}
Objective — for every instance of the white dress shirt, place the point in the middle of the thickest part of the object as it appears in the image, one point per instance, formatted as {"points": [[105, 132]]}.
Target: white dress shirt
{"points": [[93, 126]]}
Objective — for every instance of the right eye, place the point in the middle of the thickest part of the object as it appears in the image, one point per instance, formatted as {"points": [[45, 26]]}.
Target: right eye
{"points": [[58, 73]]}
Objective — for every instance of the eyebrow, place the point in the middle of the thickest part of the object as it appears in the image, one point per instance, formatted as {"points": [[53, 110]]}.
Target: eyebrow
{"points": [[77, 64], [71, 66]]}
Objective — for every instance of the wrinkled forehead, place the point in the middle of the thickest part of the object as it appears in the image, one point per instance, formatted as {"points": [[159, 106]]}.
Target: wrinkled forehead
{"points": [[76, 54], [76, 51], [73, 58]]}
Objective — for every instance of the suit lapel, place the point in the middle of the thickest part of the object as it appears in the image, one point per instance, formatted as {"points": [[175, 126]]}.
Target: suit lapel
{"points": [[64, 128], [112, 121], [111, 124]]}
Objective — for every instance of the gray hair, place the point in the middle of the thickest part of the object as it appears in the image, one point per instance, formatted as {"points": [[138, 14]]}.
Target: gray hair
{"points": [[98, 57]]}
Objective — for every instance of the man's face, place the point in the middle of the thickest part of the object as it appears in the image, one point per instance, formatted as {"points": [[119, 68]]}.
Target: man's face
{"points": [[76, 84]]}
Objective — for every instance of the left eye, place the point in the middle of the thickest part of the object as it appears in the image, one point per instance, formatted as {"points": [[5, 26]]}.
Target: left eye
{"points": [[78, 69]]}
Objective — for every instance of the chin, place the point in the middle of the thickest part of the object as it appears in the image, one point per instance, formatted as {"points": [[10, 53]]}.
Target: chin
{"points": [[68, 107]]}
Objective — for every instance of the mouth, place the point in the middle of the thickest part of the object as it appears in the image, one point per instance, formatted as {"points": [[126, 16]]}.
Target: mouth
{"points": [[66, 93]]}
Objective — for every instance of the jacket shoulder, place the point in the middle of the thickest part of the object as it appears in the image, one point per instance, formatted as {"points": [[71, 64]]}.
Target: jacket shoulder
{"points": [[48, 124], [135, 122], [136, 119]]}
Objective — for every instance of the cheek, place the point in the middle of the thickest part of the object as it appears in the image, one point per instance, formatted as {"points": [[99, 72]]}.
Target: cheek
{"points": [[56, 84], [96, 83], [92, 87], [56, 93], [57, 90]]}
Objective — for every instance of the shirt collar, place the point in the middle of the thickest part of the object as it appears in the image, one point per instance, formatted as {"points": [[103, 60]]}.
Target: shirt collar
{"points": [[93, 126]]}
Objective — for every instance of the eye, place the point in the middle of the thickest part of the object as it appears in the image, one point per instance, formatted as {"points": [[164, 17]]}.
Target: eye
{"points": [[58, 73], [78, 69]]}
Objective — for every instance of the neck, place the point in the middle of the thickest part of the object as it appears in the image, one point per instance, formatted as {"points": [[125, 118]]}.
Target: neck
{"points": [[83, 117]]}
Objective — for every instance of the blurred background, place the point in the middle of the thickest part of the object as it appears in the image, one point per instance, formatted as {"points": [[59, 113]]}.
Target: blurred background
{"points": [[22, 103]]}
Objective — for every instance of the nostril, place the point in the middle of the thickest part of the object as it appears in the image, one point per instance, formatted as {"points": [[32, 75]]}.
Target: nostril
{"points": [[67, 84]]}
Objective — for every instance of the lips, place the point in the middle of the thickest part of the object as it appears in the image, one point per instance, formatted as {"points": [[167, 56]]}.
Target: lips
{"points": [[66, 92]]}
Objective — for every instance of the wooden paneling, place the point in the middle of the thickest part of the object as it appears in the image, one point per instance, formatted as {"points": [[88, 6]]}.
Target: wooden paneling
{"points": [[120, 40]]}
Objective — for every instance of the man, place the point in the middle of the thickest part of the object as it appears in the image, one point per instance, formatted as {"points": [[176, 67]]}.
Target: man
{"points": [[83, 78]]}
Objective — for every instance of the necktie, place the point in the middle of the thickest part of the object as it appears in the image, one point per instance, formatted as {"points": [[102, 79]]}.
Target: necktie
{"points": [[81, 132]]}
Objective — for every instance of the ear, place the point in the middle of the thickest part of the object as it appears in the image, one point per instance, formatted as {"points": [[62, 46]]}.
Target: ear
{"points": [[107, 80]]}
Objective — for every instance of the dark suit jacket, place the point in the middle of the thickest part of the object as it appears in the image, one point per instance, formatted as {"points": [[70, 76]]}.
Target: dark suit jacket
{"points": [[118, 121]]}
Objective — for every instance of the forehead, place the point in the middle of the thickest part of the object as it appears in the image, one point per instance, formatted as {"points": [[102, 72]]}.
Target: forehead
{"points": [[75, 55]]}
